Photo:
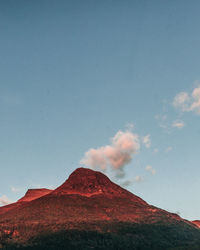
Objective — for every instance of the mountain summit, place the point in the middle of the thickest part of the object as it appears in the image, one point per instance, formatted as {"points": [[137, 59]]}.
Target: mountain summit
{"points": [[87, 182]]}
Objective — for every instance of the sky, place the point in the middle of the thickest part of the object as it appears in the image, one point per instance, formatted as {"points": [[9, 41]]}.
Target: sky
{"points": [[112, 85]]}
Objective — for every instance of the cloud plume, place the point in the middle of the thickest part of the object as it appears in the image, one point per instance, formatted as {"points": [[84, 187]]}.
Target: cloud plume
{"points": [[123, 146], [4, 200]]}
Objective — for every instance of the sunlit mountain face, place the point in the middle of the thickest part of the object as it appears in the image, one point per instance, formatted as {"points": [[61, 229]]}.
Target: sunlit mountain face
{"points": [[33, 194], [88, 203], [30, 195]]}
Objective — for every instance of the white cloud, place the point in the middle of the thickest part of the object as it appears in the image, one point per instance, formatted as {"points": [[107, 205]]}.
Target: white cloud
{"points": [[196, 100], [146, 141], [138, 179], [123, 146], [4, 200], [181, 101], [150, 169], [15, 189], [187, 102], [167, 150], [178, 124]]}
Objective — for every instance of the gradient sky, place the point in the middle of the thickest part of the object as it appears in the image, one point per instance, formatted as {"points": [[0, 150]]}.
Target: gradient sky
{"points": [[74, 73]]}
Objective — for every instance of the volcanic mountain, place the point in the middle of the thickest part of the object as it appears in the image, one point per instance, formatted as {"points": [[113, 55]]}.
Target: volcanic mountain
{"points": [[87, 200]]}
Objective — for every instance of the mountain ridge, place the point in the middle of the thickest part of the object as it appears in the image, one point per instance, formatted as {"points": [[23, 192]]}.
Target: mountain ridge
{"points": [[34, 193]]}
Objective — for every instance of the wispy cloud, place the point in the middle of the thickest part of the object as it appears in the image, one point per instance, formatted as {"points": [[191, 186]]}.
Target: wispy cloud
{"points": [[150, 169], [163, 122], [178, 124], [4, 200], [187, 102], [146, 141], [136, 179], [15, 189]]}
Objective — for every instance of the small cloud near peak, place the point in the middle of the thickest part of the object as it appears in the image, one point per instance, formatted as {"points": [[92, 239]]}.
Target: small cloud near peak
{"points": [[136, 179], [114, 156]]}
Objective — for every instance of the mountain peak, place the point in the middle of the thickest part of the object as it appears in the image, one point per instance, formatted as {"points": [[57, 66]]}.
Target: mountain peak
{"points": [[88, 176], [33, 194], [83, 171], [85, 182], [88, 182]]}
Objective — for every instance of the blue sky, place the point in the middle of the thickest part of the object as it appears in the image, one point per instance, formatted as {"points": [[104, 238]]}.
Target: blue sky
{"points": [[74, 73]]}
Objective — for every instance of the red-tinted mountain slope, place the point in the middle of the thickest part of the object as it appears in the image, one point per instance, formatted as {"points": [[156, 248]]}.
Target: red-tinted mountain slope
{"points": [[30, 195], [87, 198], [89, 183], [33, 194]]}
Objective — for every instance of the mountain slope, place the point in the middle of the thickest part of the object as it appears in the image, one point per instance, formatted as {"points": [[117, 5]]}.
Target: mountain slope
{"points": [[30, 195], [87, 200], [89, 196], [33, 194]]}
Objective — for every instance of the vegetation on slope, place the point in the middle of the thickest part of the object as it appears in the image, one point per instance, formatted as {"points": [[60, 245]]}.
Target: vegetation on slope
{"points": [[121, 236]]}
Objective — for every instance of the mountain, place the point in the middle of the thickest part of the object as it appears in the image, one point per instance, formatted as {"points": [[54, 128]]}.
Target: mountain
{"points": [[30, 195], [89, 183], [88, 201], [33, 194]]}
